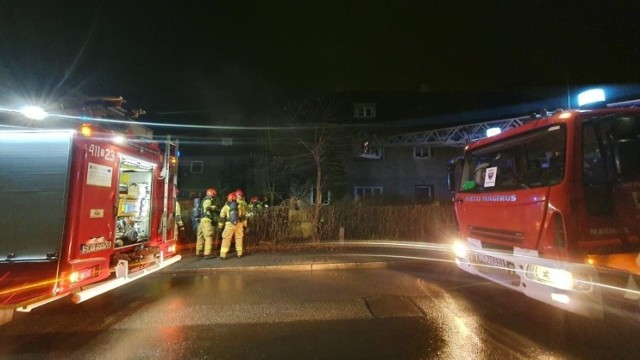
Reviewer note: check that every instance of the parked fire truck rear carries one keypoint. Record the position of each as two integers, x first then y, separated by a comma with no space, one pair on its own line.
83,211
552,209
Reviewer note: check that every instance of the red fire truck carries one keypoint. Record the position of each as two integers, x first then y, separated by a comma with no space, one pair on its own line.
552,209
82,211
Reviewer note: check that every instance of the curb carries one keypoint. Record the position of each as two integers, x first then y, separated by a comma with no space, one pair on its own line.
295,267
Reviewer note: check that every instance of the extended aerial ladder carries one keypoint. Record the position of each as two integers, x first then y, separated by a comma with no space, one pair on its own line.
455,136
461,135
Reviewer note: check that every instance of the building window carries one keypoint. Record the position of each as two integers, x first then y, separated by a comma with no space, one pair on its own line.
370,152
421,152
326,196
367,192
424,194
364,110
196,167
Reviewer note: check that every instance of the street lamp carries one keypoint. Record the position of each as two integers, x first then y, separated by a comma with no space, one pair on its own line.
33,112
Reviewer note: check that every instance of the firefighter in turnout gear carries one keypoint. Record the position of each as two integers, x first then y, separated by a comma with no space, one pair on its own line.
242,205
233,220
179,224
206,227
253,206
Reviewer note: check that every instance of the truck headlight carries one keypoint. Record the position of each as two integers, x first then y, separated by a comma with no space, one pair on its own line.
557,278
459,249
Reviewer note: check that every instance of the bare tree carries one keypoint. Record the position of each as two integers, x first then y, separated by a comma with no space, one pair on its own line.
319,134
300,156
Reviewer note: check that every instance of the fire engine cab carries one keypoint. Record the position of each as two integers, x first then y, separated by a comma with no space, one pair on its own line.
82,211
552,209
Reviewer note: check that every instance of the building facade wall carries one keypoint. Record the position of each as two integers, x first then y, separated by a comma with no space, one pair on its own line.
225,173
399,173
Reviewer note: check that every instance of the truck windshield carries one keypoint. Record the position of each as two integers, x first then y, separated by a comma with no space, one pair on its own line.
530,160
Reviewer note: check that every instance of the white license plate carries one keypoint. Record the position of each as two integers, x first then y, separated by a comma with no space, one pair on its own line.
490,260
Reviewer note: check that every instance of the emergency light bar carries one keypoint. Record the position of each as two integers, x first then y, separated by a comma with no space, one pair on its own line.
591,96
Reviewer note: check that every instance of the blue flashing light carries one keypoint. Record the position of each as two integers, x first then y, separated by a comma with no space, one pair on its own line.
591,96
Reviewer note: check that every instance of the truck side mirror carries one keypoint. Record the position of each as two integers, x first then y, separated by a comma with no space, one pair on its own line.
454,171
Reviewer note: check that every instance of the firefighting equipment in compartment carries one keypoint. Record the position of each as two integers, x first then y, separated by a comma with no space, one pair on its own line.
130,233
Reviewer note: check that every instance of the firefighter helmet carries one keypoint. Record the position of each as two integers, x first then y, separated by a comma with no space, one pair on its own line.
212,192
231,197
239,193
254,200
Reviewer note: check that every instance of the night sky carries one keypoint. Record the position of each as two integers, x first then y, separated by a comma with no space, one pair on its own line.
186,56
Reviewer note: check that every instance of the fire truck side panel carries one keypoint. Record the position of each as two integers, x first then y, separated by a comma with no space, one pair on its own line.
92,219
97,191
157,208
34,177
614,224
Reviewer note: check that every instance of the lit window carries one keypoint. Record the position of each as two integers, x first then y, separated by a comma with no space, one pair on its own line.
196,167
421,152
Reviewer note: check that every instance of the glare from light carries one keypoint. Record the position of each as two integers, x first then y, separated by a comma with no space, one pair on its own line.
86,130
118,139
460,249
493,131
33,112
74,277
591,96
561,298
565,115
557,278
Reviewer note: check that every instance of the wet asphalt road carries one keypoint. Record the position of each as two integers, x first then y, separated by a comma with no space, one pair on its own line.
410,311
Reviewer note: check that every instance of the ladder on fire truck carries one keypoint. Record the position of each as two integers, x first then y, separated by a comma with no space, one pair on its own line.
456,136
459,136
